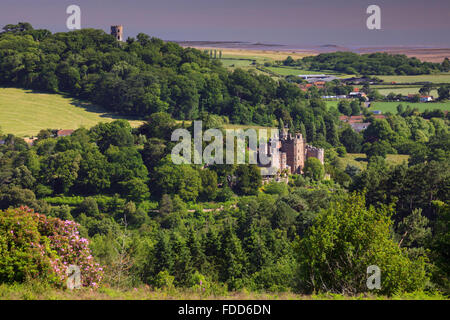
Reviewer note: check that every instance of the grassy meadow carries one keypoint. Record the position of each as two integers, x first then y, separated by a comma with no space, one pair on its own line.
260,55
25,112
360,159
433,78
392,106
401,89
290,71
39,291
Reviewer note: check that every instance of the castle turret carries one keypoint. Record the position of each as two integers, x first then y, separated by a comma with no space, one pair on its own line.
117,32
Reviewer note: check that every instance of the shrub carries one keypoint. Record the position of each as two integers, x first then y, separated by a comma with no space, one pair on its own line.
164,280
347,238
314,169
34,246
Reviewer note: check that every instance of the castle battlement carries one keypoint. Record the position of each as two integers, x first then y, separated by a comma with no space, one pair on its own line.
293,152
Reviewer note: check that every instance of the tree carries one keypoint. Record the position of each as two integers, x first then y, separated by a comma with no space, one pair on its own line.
345,240
61,170
94,173
351,140
13,196
284,216
234,259
248,179
177,179
345,108
289,61
440,246
314,169
377,149
446,65
135,189
426,89
160,125
117,133
356,108
413,230
444,93
209,184
89,207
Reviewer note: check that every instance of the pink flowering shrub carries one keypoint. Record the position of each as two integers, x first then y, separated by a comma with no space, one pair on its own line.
34,245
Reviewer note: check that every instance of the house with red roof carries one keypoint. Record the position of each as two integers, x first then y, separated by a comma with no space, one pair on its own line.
64,133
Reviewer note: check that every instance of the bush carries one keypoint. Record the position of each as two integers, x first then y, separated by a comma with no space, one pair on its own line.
276,188
345,240
36,246
314,169
164,280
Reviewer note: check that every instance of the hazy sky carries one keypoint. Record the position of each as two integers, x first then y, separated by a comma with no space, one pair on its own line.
300,22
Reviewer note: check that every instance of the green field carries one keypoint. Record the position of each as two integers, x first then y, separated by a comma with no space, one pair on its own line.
236,63
392,106
286,71
401,89
25,113
360,160
434,78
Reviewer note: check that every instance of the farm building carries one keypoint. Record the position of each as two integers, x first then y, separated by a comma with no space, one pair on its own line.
358,127
64,133
313,78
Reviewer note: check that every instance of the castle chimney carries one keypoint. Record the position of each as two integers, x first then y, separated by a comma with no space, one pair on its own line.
117,32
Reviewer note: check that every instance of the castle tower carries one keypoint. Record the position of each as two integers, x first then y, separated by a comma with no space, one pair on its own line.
294,147
117,32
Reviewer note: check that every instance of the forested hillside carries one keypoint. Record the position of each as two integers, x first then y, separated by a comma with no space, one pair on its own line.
111,200
368,64
139,77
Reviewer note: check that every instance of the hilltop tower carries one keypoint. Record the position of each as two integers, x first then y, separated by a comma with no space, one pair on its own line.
117,32
294,148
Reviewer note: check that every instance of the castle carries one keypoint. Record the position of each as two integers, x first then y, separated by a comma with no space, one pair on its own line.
117,32
293,152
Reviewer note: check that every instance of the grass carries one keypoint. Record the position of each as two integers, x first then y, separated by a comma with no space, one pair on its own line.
360,159
260,55
287,71
392,106
332,103
434,78
236,63
25,112
401,89
38,291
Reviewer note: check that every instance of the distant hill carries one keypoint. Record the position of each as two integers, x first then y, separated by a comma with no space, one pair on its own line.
25,113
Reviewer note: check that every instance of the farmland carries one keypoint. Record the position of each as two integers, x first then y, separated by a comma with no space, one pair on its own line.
286,71
433,78
392,106
360,159
401,89
25,113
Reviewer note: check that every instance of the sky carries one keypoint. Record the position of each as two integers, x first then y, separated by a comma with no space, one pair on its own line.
291,22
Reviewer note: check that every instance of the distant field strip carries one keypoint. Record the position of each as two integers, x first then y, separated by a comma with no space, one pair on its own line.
360,159
392,106
258,54
25,113
434,78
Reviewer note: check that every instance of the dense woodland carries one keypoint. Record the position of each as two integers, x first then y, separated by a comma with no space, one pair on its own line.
368,64
216,228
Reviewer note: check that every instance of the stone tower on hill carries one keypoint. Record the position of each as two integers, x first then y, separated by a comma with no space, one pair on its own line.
117,32
294,149
293,152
